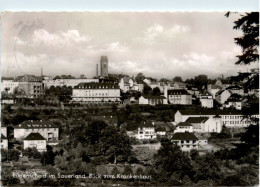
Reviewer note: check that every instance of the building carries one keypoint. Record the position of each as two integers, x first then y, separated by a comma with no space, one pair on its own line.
206,100
128,84
48,130
4,142
9,86
179,85
66,82
213,89
185,140
152,100
4,130
236,90
146,131
36,140
229,118
104,66
233,103
222,95
96,93
206,124
179,97
183,127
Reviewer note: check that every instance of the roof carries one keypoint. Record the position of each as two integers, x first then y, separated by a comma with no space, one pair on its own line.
197,119
213,86
206,93
210,112
233,88
3,137
178,92
221,91
153,97
28,78
145,124
32,124
34,136
183,124
184,136
96,85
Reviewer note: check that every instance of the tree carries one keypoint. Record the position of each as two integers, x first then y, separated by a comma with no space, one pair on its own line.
156,91
139,77
177,79
251,136
201,81
48,156
32,152
147,89
249,41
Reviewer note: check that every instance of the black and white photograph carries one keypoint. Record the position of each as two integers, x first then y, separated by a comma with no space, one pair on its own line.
129,98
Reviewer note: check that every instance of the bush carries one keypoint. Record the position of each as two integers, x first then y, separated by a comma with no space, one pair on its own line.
32,153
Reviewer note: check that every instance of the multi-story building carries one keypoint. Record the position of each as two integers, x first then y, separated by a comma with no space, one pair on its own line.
48,130
128,84
179,97
96,93
183,127
36,140
104,66
66,82
152,100
206,100
186,140
4,142
229,118
146,131
9,86
222,95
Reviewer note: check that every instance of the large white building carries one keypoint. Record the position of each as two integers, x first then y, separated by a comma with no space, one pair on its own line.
146,131
179,97
186,140
48,130
229,118
96,93
152,100
9,86
128,84
66,82
183,127
206,100
222,95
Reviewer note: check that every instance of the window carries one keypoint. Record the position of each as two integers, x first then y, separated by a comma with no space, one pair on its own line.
187,141
182,141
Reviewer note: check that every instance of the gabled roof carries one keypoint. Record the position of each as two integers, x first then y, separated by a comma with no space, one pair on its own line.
145,124
3,137
153,97
184,136
197,119
35,124
178,92
28,78
221,91
183,124
34,136
206,93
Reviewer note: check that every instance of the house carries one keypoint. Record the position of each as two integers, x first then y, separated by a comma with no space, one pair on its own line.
229,118
179,85
222,95
152,100
183,127
234,101
236,90
126,83
35,139
179,97
146,131
213,89
4,142
48,130
96,93
160,130
4,130
185,140
206,100
206,124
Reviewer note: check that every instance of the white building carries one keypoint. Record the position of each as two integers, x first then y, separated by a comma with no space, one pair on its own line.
213,89
152,100
36,140
222,95
66,82
206,124
229,118
187,141
183,127
179,97
4,142
96,93
48,130
146,131
9,86
206,100
128,84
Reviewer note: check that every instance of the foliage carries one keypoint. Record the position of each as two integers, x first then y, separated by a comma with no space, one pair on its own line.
32,152
8,180
147,89
156,91
177,79
251,136
11,154
48,156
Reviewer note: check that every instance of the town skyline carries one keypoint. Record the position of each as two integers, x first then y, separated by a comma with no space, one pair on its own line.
184,44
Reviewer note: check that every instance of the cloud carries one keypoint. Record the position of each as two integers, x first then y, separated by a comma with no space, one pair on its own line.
157,31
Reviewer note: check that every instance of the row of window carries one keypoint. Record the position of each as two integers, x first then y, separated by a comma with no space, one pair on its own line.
40,129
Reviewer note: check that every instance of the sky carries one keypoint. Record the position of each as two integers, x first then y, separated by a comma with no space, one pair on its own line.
158,44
